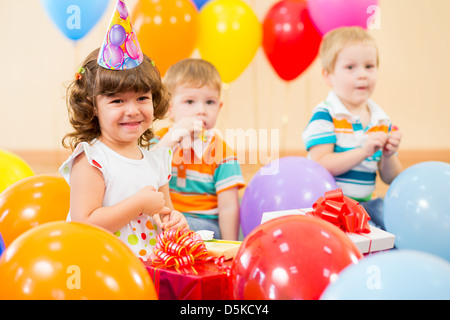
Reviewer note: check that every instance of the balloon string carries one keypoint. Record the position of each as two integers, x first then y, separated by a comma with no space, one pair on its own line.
285,117
254,85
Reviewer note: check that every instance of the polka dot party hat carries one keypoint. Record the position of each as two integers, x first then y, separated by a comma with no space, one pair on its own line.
120,49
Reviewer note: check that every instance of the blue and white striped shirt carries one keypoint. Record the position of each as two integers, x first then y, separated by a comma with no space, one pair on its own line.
332,123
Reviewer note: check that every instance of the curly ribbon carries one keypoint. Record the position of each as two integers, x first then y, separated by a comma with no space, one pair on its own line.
181,249
220,264
342,211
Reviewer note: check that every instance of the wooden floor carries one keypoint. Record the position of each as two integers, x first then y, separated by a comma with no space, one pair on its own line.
48,162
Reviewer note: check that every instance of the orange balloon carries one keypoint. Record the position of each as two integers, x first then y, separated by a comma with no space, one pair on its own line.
30,202
166,29
71,261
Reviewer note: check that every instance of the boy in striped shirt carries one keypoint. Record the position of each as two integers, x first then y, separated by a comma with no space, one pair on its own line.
206,175
349,134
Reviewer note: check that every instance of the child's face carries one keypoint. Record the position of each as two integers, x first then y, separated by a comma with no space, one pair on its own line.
355,74
125,116
201,103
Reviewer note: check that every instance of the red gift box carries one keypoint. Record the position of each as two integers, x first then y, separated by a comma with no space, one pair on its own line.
209,281
182,269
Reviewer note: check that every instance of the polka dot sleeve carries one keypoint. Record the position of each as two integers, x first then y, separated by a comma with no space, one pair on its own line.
164,159
91,155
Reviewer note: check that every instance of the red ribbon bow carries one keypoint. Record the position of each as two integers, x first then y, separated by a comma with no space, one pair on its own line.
342,211
181,249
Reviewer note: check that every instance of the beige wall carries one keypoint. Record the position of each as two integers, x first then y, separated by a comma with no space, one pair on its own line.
413,80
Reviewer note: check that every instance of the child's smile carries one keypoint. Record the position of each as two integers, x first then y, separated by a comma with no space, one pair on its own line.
124,117
131,125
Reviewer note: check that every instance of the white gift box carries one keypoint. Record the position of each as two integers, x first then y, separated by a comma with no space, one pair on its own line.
375,240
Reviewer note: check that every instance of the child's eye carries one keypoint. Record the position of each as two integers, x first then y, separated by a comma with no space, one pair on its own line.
143,98
190,101
349,67
117,101
211,102
370,66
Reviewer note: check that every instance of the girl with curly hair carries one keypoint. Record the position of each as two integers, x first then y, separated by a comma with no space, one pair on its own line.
116,182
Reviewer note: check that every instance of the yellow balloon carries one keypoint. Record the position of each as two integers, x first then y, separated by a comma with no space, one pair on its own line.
229,36
12,169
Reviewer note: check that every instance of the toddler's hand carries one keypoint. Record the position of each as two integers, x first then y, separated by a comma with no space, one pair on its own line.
392,143
375,141
185,130
153,202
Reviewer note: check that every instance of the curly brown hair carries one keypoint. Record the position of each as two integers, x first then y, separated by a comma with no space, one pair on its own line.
82,93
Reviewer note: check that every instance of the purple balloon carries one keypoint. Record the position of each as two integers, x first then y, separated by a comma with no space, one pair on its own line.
122,8
113,56
284,184
117,35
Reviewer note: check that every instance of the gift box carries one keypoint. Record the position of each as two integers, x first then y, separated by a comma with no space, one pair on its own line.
373,241
207,281
183,268
223,248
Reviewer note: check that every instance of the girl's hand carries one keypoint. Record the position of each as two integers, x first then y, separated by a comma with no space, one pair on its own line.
153,202
173,220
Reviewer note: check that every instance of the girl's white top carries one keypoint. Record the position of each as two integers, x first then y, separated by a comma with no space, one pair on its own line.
123,178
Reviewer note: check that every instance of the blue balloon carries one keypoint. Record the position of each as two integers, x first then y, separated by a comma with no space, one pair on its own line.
75,18
2,245
393,275
130,63
199,3
417,208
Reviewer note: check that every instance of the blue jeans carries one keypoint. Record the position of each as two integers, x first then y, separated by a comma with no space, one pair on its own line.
196,224
375,210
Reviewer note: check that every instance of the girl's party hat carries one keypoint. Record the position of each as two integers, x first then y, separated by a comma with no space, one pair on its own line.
120,49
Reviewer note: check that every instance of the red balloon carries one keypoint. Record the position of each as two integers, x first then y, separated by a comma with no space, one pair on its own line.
291,258
290,40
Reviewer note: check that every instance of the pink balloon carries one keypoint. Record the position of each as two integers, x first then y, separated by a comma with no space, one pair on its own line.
132,46
113,56
331,14
123,11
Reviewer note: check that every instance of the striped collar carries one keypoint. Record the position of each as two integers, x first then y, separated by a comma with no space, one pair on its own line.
336,107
